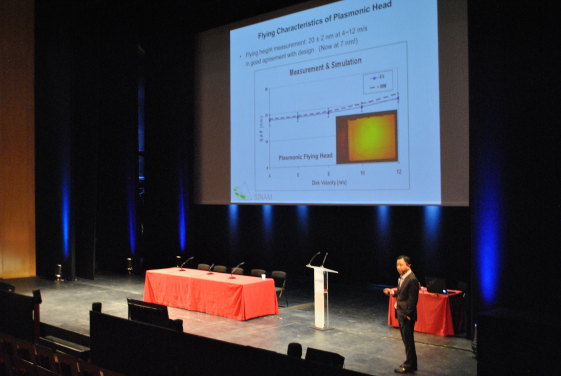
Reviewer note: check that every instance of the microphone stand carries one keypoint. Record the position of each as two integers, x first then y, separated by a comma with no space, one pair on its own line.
186,261
210,270
231,276
324,260
313,258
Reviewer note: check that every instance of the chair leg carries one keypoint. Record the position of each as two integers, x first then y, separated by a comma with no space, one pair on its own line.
286,297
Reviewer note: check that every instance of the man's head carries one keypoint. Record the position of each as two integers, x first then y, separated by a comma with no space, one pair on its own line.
403,264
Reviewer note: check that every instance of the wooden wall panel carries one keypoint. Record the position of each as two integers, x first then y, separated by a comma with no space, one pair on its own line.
17,139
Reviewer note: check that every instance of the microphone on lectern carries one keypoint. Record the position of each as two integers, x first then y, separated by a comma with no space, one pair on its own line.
231,276
313,258
186,261
324,260
210,269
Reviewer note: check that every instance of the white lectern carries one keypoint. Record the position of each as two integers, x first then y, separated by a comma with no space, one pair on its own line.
321,300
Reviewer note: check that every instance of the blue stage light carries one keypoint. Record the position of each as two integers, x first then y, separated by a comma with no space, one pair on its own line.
268,218
233,216
132,224
383,219
141,106
432,222
131,198
233,211
302,211
66,213
488,240
182,220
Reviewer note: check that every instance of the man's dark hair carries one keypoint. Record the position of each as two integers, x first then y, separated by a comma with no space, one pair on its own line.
405,258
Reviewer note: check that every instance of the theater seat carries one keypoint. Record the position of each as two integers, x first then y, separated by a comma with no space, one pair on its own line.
324,357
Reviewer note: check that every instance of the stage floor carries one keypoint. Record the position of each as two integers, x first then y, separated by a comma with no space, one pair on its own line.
358,314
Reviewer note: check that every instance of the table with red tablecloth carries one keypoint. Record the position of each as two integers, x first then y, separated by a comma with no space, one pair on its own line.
440,314
242,298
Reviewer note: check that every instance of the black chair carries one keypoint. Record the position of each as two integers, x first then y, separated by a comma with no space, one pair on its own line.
294,350
67,364
257,272
324,357
220,269
203,266
45,358
176,325
237,271
25,350
88,369
45,372
5,364
7,287
107,372
8,344
462,286
22,367
280,283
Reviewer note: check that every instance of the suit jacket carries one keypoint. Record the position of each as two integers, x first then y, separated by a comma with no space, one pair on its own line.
407,296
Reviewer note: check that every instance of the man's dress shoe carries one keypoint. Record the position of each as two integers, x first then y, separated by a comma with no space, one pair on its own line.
413,368
403,370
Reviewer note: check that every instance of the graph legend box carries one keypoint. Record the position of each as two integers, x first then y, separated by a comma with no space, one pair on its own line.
378,82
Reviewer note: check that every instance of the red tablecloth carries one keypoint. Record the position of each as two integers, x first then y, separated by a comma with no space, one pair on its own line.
242,298
434,313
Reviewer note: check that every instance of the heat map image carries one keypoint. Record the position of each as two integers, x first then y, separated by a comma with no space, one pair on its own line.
364,138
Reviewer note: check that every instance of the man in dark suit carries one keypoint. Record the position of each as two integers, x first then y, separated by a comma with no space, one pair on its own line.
407,295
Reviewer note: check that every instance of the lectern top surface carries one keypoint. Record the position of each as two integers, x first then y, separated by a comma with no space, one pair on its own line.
322,268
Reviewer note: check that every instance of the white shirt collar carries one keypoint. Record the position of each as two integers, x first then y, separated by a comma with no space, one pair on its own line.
405,275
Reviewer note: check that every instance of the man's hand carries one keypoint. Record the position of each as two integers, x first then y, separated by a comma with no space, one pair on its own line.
388,291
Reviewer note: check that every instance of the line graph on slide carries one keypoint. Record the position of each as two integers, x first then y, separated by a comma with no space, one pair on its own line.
347,120
333,109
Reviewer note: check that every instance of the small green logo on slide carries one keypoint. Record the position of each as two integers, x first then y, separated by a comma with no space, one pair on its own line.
242,192
240,195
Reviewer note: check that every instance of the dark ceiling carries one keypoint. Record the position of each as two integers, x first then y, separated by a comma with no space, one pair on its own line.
166,19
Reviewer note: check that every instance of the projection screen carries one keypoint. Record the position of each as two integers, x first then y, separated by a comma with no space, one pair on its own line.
352,102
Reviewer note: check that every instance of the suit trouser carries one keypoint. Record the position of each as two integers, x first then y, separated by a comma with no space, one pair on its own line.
407,328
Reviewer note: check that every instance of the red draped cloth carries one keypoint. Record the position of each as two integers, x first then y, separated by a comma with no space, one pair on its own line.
439,314
242,298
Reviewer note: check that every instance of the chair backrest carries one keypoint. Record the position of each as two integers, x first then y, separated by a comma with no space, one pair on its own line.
203,266
279,277
176,325
7,287
237,271
5,363
257,272
23,367
8,344
462,286
220,269
278,274
88,369
46,358
294,350
45,372
107,372
67,364
25,350
325,357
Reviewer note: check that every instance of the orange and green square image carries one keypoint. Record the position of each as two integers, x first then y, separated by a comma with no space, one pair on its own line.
367,138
